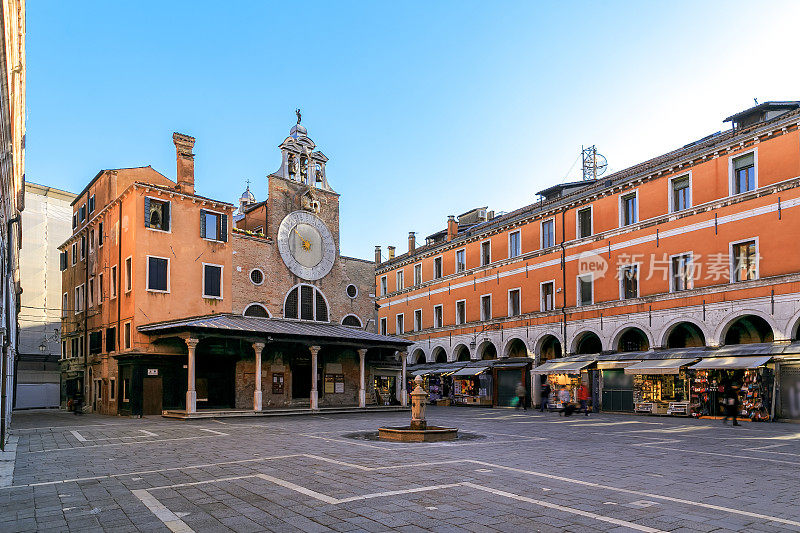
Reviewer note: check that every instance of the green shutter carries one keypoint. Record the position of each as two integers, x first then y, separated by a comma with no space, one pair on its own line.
165,212
146,212
202,224
223,228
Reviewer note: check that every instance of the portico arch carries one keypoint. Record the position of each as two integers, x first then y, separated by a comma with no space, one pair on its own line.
631,339
487,350
417,356
438,355
680,333
515,347
587,342
748,329
721,333
461,353
548,347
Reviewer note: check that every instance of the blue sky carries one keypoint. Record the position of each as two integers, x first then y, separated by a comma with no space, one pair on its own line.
425,109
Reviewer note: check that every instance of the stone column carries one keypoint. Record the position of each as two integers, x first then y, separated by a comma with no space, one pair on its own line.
404,378
257,396
191,393
536,384
362,391
314,397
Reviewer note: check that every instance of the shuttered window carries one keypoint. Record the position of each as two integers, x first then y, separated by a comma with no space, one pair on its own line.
157,274
212,281
213,226
156,214
63,261
306,303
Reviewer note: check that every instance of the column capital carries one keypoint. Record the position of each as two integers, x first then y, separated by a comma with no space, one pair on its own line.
258,346
362,352
314,349
401,354
191,342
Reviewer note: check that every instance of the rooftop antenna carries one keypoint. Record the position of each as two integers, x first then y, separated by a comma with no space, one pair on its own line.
594,164
755,100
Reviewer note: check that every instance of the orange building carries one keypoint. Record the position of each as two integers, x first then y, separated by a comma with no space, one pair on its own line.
171,306
683,258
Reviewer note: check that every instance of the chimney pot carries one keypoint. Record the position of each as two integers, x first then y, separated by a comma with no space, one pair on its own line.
185,158
377,255
452,228
412,241
391,252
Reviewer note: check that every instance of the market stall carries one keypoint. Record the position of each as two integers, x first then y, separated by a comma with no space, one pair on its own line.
749,376
661,386
567,374
472,386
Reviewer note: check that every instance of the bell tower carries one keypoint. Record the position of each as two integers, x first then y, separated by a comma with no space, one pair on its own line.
300,161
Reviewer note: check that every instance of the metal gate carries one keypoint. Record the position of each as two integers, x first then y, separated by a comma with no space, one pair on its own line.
790,392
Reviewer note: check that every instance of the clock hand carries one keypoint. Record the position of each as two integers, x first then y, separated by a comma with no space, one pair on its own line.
306,244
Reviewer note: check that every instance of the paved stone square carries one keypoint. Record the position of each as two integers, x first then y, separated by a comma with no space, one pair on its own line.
529,472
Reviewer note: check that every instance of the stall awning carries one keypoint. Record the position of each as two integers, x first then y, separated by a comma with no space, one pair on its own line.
470,371
731,363
507,366
562,367
611,365
659,366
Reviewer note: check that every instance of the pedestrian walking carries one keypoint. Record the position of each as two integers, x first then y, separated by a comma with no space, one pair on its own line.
731,400
545,396
520,392
583,398
564,398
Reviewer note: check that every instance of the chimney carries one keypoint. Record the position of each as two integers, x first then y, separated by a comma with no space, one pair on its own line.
185,157
452,228
391,252
412,241
377,255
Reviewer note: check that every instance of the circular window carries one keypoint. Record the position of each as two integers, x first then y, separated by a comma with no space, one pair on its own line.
352,291
256,276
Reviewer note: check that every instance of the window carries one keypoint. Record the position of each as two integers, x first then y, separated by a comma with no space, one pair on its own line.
461,312
352,321
256,276
213,226
74,253
91,292
681,272
91,204
113,281
585,222
65,304
438,315
744,259
112,389
399,325
486,253
743,173
417,319
156,214
111,339
629,212
305,302
400,280
629,279
585,290
98,389
74,220
79,299
277,383
384,286
212,281
486,307
74,345
514,304
128,274
461,260
126,387
352,291
101,291
256,310
418,274
62,261
548,295
126,336
83,247
63,349
681,193
95,342
100,234
91,241
82,213
437,268
548,234
157,274
383,326
514,244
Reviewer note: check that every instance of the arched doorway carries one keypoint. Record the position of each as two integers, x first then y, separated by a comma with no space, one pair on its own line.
417,356
749,329
461,353
516,348
685,335
439,355
588,343
487,350
633,340
550,348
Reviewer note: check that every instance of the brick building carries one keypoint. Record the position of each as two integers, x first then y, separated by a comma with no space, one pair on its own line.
681,259
167,307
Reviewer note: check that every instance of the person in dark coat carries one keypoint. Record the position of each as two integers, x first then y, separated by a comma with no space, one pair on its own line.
545,396
731,399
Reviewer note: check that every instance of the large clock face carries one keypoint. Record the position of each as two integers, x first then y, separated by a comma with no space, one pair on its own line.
306,245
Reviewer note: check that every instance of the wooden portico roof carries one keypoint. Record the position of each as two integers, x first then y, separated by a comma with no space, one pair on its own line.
281,329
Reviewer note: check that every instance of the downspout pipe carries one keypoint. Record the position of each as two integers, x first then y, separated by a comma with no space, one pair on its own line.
564,280
6,338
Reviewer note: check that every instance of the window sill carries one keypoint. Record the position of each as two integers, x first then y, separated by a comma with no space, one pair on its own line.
159,291
205,296
212,240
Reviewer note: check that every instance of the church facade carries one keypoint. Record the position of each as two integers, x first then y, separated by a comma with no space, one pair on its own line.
187,305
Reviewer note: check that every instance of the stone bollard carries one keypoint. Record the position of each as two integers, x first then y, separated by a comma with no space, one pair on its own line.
419,397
